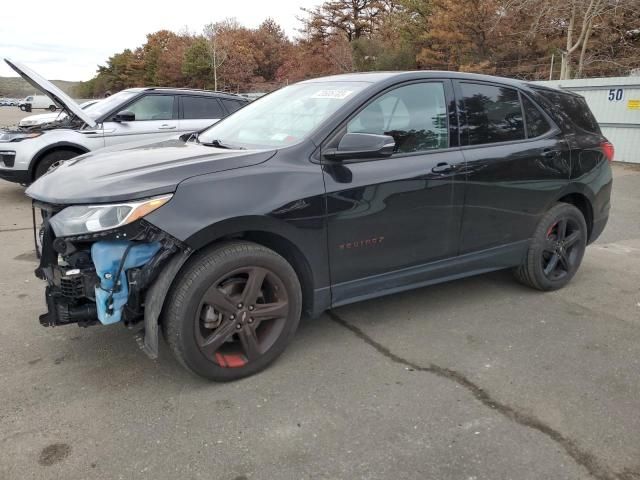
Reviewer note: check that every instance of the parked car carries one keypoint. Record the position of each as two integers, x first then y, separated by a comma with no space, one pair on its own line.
42,118
128,116
37,102
324,193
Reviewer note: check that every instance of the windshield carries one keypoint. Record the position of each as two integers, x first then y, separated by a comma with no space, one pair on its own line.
106,105
282,118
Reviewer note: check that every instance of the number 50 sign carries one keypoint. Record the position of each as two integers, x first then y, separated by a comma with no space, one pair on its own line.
615,94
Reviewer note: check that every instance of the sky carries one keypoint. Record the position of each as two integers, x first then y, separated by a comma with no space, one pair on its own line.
67,39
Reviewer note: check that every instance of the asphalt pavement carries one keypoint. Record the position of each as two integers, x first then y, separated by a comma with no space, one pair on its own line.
475,379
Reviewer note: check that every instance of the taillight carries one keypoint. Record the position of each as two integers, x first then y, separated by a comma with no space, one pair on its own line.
608,150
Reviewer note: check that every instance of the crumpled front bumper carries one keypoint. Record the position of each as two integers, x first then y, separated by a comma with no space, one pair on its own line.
111,277
70,291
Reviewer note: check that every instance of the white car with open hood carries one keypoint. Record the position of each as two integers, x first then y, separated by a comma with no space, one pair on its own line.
132,115
42,118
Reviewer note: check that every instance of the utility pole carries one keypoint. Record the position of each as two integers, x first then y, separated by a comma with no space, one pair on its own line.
551,69
215,70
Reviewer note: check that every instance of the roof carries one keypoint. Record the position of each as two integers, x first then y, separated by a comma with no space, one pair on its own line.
375,77
192,90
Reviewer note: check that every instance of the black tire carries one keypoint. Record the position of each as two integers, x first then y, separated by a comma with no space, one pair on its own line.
52,108
213,270
556,249
51,159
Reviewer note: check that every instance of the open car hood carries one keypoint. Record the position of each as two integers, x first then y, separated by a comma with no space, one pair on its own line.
58,96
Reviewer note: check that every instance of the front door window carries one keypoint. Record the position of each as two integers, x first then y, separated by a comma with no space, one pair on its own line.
414,115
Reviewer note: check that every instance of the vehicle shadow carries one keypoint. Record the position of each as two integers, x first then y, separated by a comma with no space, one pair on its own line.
109,356
112,353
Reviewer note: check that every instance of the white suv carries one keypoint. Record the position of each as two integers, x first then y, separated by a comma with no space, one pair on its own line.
134,114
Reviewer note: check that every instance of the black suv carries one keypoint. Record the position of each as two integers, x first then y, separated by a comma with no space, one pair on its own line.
326,192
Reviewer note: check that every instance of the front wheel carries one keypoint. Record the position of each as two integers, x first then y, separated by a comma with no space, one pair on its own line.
556,250
51,160
52,108
232,311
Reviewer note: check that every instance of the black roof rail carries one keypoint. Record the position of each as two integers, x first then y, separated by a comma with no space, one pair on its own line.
186,89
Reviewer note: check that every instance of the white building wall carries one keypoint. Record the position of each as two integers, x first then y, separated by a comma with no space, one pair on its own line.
615,102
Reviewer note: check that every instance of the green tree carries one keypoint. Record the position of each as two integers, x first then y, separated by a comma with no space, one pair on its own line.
196,64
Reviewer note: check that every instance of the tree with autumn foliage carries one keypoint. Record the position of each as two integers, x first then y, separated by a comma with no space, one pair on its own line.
270,49
354,18
581,25
516,38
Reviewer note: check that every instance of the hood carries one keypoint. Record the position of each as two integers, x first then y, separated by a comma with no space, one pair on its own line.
122,174
58,96
41,118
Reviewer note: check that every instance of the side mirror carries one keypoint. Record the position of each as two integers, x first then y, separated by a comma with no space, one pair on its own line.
362,146
124,116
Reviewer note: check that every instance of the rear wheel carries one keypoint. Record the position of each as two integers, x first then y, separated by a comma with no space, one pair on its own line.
556,250
52,108
51,160
233,310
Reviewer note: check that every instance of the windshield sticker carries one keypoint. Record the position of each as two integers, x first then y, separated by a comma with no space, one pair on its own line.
337,94
279,137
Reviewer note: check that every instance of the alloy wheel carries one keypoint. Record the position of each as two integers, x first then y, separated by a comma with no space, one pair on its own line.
241,316
561,250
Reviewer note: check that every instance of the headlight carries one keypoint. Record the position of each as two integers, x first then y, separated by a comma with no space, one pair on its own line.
82,219
17,136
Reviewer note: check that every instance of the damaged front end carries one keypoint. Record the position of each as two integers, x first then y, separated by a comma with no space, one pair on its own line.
100,263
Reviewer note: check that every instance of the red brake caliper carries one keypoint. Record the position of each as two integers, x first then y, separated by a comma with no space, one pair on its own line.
551,229
230,360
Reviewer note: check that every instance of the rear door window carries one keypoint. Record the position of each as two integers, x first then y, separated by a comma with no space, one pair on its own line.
537,124
493,113
201,108
232,105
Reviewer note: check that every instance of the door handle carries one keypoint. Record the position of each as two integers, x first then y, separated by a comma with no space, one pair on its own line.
443,167
166,127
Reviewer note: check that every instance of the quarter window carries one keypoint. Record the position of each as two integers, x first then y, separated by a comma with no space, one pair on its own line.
153,107
573,109
414,115
493,113
201,107
536,123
